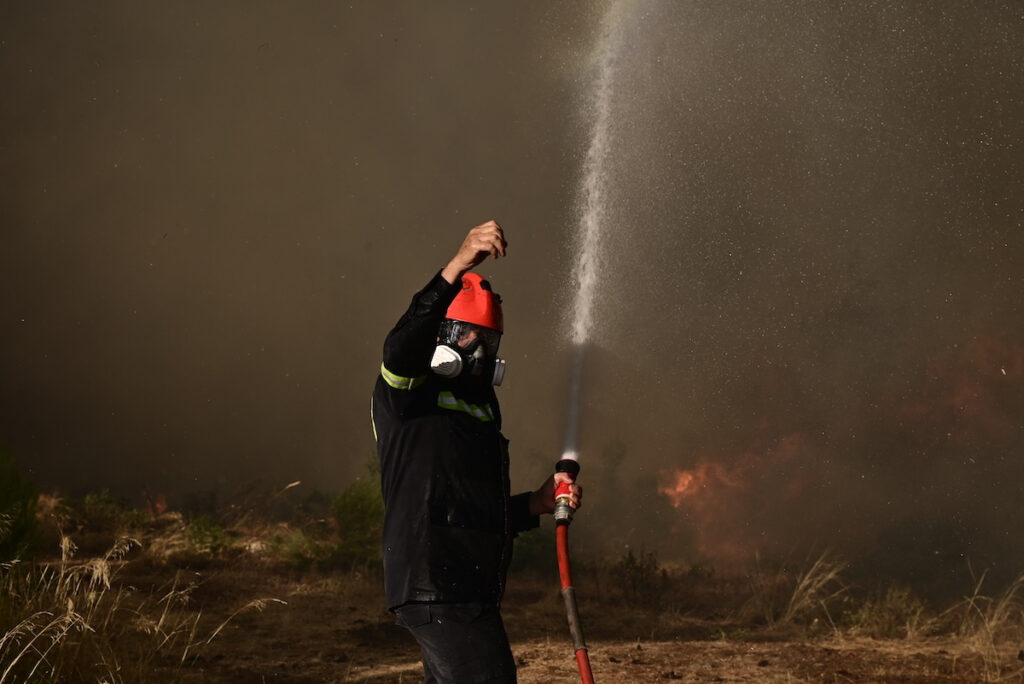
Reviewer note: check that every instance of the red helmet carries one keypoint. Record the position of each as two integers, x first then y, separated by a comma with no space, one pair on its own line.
476,303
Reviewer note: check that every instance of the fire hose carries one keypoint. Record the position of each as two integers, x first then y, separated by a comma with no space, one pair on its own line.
563,516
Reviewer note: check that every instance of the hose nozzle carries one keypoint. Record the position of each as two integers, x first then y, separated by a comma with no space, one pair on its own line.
563,511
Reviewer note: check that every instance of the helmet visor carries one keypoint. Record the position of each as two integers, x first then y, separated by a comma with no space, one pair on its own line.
469,336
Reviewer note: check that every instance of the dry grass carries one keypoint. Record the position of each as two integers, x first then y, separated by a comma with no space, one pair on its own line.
992,627
59,611
781,597
140,611
73,621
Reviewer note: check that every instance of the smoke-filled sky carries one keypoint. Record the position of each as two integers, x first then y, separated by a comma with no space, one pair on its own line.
809,329
212,214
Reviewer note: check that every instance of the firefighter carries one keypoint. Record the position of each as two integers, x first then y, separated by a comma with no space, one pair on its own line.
449,515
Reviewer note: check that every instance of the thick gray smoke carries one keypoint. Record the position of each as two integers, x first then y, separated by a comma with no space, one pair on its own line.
810,303
211,216
807,323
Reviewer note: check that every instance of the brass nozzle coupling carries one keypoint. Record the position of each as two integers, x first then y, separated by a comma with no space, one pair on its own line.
563,511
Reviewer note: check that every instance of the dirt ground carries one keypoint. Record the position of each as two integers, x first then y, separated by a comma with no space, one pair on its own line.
332,627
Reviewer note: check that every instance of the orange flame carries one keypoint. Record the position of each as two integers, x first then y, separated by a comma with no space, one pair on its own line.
721,500
699,484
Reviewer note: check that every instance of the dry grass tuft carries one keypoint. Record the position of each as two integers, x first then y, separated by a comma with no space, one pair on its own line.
74,621
781,597
992,627
896,614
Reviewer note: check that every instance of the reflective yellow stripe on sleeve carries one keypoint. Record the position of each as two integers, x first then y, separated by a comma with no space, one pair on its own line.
400,382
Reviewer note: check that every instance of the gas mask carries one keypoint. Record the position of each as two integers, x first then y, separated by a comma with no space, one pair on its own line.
468,349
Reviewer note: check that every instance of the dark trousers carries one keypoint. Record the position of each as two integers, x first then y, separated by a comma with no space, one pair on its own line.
461,643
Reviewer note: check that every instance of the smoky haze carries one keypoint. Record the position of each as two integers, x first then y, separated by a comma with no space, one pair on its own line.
212,216
815,234
808,325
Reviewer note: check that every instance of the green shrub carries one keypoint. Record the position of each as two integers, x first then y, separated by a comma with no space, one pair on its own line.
640,578
534,551
102,512
17,509
359,515
297,549
206,536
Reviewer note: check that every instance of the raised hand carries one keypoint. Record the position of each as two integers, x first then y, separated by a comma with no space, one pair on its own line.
484,240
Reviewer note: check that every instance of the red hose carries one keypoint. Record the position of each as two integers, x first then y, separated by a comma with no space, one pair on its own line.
562,539
569,595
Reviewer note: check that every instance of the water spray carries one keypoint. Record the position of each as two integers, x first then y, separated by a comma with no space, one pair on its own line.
569,464
592,211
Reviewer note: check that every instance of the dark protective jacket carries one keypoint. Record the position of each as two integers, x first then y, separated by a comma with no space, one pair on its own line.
449,518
